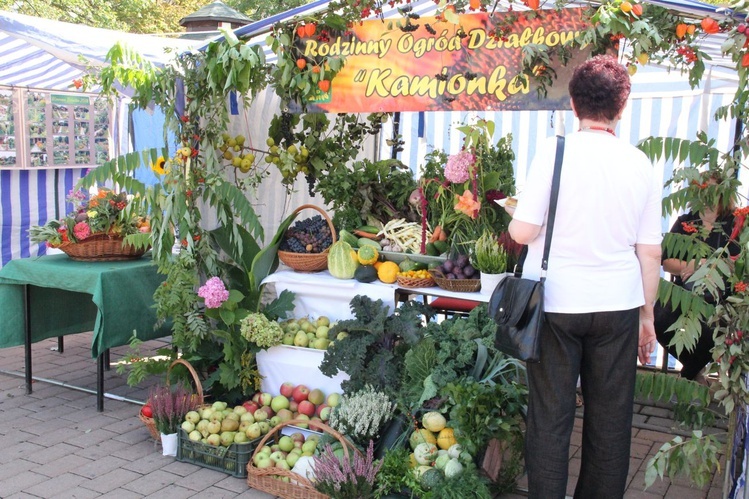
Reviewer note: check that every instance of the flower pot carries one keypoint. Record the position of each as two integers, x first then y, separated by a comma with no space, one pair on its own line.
169,444
490,281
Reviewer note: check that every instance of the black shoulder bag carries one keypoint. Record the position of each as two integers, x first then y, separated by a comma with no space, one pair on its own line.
517,304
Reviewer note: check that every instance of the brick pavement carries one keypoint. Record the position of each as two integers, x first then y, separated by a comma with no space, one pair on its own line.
53,443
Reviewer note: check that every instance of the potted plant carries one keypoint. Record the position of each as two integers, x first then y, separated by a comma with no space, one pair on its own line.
169,406
490,258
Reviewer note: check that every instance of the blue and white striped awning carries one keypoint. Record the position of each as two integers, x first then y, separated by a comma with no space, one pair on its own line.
45,54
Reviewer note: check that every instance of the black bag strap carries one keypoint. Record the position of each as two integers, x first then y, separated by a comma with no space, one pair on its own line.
552,205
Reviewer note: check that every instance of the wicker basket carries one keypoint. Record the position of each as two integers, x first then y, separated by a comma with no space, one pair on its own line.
149,422
308,262
459,285
102,248
269,479
415,282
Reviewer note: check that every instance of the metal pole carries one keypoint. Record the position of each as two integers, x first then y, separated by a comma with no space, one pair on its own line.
27,336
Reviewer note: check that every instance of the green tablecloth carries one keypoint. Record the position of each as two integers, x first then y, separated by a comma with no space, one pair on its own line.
112,299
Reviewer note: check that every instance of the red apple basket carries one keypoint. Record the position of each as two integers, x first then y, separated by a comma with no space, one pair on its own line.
295,486
149,422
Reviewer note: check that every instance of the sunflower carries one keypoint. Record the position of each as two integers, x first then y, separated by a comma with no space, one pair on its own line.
158,167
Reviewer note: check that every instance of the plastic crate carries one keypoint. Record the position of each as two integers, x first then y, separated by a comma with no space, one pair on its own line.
232,460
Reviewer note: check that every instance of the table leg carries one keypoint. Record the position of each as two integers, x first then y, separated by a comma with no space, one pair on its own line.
100,383
60,345
107,364
27,335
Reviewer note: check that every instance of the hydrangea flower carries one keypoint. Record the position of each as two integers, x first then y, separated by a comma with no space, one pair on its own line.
81,231
213,292
458,167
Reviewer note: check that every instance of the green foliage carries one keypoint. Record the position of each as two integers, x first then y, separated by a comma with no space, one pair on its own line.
467,484
138,367
696,457
481,411
395,475
377,189
373,353
691,399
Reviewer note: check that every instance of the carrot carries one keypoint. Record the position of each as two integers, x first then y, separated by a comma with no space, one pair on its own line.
368,235
443,236
435,234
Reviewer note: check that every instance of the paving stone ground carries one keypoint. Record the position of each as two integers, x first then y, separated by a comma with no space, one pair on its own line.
53,443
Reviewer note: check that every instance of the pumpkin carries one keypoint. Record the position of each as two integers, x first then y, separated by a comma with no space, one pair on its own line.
342,262
425,453
434,422
388,272
446,438
366,273
367,255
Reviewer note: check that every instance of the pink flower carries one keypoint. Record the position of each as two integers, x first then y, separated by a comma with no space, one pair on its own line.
213,292
467,204
458,167
81,230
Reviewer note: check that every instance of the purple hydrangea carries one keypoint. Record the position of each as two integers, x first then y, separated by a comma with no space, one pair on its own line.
458,167
213,292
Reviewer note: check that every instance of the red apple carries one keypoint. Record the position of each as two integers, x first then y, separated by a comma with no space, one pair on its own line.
312,424
251,406
325,413
265,399
256,398
297,435
307,408
268,410
300,393
293,405
287,389
320,408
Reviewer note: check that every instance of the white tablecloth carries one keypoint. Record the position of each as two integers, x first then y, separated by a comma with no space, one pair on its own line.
298,365
319,293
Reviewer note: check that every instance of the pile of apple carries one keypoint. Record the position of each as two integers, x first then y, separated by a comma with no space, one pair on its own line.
295,402
219,425
309,333
286,452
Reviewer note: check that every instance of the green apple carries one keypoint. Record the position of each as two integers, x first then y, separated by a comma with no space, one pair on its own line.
311,338
188,426
262,461
292,326
309,446
322,332
320,343
241,438
341,335
322,321
292,458
301,339
279,402
288,338
195,436
285,443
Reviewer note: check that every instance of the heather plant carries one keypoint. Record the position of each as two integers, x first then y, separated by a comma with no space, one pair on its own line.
361,415
169,406
343,478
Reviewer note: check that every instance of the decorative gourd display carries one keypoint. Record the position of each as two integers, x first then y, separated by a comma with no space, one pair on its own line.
367,255
342,260
366,273
434,422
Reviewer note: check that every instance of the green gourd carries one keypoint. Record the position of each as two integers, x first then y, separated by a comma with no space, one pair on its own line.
342,262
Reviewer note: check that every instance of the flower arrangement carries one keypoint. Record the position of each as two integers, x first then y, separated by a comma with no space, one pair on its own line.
106,212
361,415
346,478
457,191
489,256
169,407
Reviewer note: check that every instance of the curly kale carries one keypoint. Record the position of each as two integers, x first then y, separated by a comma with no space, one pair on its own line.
374,351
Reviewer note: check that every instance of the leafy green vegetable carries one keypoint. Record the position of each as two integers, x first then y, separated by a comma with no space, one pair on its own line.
374,351
395,475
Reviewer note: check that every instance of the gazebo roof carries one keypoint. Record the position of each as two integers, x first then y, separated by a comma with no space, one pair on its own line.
216,11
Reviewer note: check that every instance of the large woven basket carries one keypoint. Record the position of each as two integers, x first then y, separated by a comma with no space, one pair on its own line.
149,422
298,487
308,262
459,285
102,248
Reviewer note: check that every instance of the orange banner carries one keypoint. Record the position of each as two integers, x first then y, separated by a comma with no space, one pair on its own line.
441,66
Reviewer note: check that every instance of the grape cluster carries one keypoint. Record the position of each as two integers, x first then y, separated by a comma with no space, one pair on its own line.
311,235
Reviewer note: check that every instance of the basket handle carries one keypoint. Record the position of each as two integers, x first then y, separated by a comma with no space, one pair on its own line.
193,373
325,216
